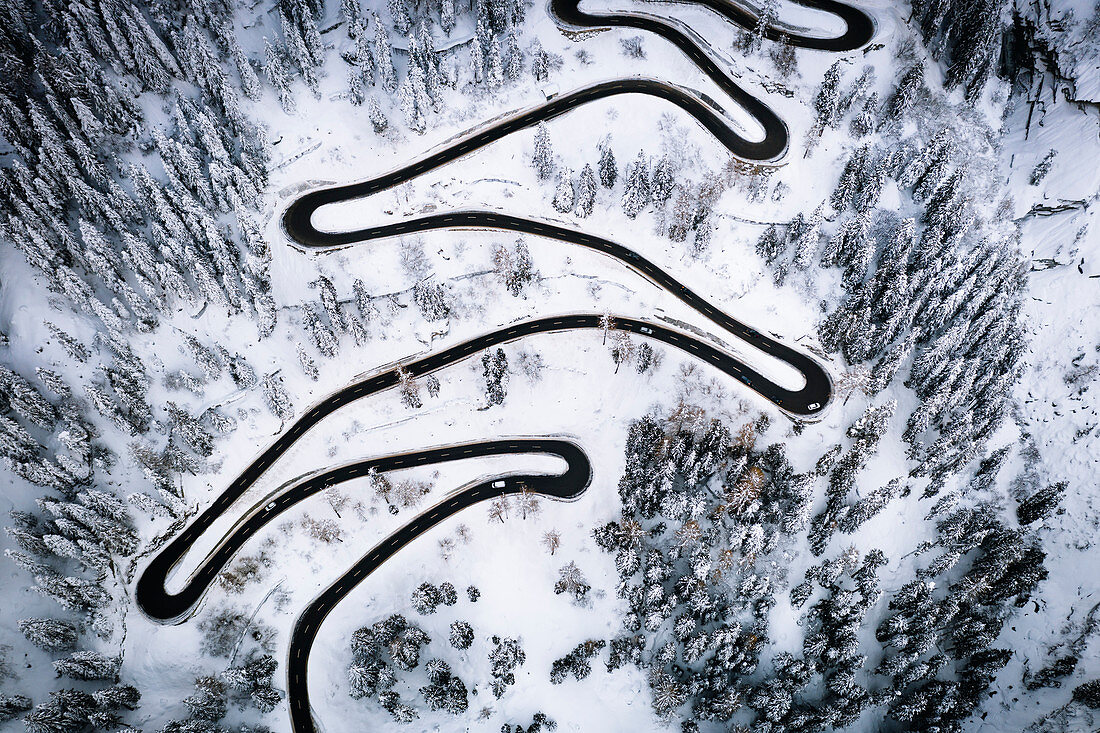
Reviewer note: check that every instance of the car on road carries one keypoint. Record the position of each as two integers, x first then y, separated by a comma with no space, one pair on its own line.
269,507
499,484
813,405
644,329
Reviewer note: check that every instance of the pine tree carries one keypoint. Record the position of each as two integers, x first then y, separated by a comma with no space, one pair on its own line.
276,397
447,15
462,635
307,363
514,67
52,635
905,93
67,711
807,239
88,665
356,95
425,599
13,705
321,334
1041,504
543,159
364,55
118,696
276,73
827,100
637,193
586,191
409,390
609,171
250,83
866,120
504,659
494,368
399,12
662,182
514,266
383,57
1042,168
377,120
770,245
412,98
564,195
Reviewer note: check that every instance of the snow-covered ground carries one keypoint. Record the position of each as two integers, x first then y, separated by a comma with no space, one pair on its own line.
577,391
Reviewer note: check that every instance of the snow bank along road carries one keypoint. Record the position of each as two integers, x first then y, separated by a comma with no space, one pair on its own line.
152,593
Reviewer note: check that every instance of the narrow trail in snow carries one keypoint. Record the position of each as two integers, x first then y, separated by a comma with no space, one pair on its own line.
151,592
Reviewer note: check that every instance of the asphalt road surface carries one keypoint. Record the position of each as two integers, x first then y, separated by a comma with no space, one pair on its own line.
151,591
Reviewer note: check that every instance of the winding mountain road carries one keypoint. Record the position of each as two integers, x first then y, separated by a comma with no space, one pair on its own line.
152,593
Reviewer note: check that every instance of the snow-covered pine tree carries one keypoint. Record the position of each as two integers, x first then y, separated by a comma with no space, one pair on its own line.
309,367
827,99
409,390
276,72
514,66
88,664
586,191
276,397
540,62
662,181
765,19
399,13
383,57
543,159
52,635
770,245
494,368
378,120
494,72
637,193
609,170
447,18
564,195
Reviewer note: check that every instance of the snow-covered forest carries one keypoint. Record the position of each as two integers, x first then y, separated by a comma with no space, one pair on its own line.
913,554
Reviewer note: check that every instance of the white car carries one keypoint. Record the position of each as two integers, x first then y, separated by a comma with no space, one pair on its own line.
269,507
813,406
499,484
644,329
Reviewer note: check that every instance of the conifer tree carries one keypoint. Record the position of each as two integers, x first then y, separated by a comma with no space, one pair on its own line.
586,191
609,171
636,195
277,75
543,159
564,195
383,57
378,120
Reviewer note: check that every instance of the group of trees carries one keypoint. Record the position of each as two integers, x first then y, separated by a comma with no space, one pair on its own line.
514,266
126,219
494,55
933,297
379,653
967,36
993,567
683,207
703,509
388,649
71,552
72,711
125,241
